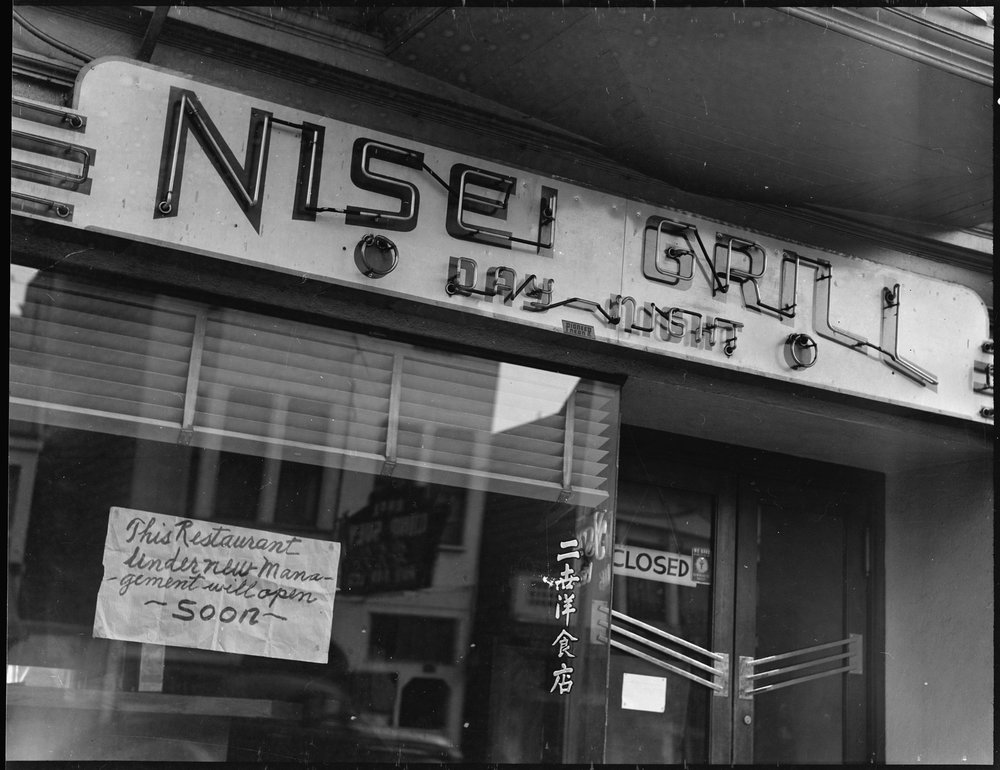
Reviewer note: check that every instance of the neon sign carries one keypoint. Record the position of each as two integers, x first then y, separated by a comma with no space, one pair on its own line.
233,177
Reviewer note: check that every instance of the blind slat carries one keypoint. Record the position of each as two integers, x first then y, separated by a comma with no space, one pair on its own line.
100,372
265,433
98,324
263,383
71,350
433,432
60,397
450,461
368,381
222,400
46,334
319,394
466,454
340,420
225,335
79,387
485,386
90,308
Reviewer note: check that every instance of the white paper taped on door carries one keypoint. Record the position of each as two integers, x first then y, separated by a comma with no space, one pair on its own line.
644,693
194,583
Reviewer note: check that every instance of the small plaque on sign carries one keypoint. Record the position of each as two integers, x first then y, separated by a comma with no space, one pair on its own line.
701,565
644,693
578,330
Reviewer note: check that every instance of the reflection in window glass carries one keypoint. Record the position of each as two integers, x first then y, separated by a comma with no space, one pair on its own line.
473,523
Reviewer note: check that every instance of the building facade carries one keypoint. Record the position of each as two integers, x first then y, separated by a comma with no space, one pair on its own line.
361,410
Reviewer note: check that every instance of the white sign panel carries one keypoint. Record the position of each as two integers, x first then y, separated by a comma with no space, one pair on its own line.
644,693
661,566
194,583
219,174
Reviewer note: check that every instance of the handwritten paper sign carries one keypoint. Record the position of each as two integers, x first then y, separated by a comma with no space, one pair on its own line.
194,583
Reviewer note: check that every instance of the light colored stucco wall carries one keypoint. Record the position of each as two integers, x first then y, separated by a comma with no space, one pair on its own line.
939,615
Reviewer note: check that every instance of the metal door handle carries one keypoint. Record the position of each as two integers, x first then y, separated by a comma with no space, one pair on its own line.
750,672
717,667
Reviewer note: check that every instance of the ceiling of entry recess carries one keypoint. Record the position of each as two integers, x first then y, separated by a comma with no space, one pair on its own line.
882,112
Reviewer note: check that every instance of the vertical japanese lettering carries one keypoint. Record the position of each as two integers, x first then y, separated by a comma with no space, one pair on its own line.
565,585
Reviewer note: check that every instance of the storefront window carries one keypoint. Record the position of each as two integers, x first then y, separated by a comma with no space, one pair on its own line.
471,500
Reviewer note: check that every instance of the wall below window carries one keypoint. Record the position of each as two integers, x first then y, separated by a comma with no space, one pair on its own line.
939,615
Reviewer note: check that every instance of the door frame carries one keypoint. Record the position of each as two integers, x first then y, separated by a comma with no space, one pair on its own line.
729,473
681,472
856,614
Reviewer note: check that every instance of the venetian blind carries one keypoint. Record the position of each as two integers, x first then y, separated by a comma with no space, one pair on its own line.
158,368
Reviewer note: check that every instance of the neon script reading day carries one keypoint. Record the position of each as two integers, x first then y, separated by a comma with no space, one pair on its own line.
177,581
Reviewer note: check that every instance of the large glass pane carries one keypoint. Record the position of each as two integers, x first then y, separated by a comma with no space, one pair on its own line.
470,498
800,604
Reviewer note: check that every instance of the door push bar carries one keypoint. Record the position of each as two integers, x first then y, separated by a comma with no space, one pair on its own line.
749,672
718,667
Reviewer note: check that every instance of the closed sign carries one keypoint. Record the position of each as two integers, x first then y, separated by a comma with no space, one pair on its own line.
662,566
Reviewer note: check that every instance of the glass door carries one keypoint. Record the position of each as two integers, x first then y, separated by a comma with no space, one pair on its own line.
739,615
804,561
671,629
